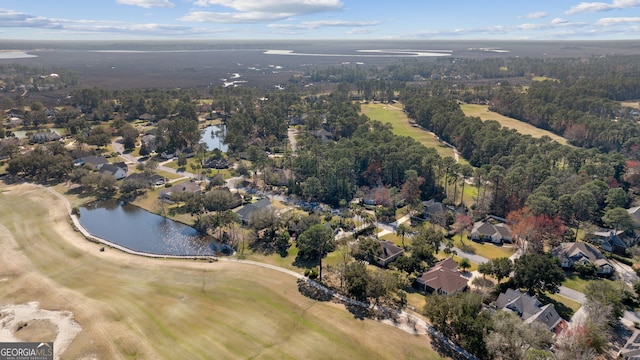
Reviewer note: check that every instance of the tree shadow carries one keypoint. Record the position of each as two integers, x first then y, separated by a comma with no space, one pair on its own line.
313,292
443,349
303,263
563,310
359,312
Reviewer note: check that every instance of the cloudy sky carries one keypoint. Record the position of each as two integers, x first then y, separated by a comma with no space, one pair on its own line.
319,19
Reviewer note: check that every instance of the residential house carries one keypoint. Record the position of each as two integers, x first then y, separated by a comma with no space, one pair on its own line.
149,141
155,180
631,350
323,135
147,117
14,122
443,278
434,211
92,161
492,229
635,215
529,308
279,177
612,241
187,186
44,136
118,170
580,252
389,253
247,211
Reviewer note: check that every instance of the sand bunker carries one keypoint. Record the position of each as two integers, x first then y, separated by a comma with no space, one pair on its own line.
29,318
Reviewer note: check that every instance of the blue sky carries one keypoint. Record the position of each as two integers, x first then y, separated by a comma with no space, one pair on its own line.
319,19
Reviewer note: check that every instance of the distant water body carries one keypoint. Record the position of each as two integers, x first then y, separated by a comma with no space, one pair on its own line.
369,53
15,55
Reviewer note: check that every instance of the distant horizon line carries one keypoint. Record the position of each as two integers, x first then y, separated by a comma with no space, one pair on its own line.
314,40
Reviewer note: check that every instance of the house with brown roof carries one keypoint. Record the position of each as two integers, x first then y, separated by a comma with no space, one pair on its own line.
529,308
443,278
572,253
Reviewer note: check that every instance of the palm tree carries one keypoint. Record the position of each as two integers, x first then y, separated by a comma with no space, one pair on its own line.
401,231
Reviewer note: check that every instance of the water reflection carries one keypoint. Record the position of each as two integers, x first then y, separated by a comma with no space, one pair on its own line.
140,230
213,136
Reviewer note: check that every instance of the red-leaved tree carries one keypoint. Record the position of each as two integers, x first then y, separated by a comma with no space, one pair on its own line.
532,231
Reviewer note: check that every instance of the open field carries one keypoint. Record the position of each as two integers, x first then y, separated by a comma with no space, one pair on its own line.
632,104
393,114
134,307
482,111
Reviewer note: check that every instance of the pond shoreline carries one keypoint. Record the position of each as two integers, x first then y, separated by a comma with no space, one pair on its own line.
75,220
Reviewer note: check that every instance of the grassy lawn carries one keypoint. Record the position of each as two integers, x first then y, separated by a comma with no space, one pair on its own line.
393,114
571,304
134,307
575,282
543,78
482,111
488,250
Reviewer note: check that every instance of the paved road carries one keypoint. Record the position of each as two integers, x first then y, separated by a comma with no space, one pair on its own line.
572,294
118,147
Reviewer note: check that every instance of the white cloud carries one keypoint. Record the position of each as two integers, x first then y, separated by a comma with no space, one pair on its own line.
296,7
558,21
325,23
310,25
230,17
252,11
10,18
536,15
147,3
617,21
602,6
360,31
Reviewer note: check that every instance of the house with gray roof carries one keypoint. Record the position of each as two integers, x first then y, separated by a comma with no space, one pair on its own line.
187,186
529,308
613,241
496,232
92,161
631,350
571,253
118,170
247,211
389,252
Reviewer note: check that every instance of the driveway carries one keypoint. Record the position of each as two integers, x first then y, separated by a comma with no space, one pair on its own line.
118,147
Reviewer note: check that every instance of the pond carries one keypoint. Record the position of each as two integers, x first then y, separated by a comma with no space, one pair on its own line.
213,136
140,230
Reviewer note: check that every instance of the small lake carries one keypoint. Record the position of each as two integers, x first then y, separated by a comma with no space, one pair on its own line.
213,136
140,230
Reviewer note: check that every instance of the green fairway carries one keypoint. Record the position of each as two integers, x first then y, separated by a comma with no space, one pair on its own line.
142,308
393,114
482,111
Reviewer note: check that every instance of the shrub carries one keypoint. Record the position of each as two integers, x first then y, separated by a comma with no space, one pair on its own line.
622,259
311,273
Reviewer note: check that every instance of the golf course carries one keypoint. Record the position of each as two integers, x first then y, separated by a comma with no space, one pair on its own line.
132,307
